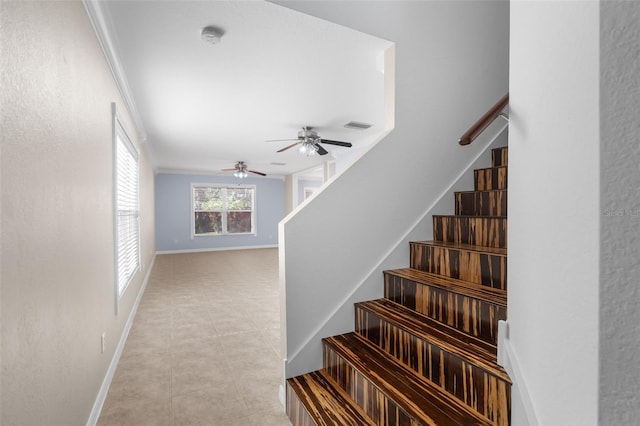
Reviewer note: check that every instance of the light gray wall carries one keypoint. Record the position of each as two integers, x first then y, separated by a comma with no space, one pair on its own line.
554,211
451,66
619,213
173,213
57,215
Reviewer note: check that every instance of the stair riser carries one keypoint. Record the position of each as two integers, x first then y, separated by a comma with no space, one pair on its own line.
490,179
296,411
499,156
313,400
481,231
479,390
481,203
378,406
473,316
479,268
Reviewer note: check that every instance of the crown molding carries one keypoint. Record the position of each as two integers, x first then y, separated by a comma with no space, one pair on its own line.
99,21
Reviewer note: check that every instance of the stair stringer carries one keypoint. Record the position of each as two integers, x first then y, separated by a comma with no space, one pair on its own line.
308,356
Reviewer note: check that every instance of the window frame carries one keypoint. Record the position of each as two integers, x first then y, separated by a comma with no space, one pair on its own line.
121,140
224,211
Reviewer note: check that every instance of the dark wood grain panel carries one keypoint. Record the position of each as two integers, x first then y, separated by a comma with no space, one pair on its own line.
481,292
313,400
390,393
499,156
481,203
480,384
460,262
453,305
490,178
480,231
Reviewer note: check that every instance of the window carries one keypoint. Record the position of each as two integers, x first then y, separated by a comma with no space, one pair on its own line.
127,212
223,210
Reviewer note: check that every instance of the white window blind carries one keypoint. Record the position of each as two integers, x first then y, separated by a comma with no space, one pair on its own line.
127,212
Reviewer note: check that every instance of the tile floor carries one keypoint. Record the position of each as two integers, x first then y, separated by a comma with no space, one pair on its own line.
204,348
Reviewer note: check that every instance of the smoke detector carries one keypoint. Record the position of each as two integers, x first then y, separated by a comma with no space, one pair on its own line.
211,34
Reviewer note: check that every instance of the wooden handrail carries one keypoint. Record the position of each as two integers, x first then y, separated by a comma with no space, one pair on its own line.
484,122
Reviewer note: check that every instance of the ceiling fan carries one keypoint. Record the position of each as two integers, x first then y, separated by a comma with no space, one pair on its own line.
309,141
241,170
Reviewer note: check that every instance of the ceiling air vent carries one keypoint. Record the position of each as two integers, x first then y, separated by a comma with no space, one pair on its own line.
357,125
278,164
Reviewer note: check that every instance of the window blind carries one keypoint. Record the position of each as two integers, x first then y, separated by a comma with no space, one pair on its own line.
127,210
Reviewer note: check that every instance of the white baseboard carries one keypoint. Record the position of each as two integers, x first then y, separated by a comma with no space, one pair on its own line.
282,396
522,408
215,249
104,389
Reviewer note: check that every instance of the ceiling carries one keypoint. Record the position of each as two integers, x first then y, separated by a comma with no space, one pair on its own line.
203,107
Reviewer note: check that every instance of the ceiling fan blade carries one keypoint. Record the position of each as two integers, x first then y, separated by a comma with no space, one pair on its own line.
228,170
257,173
321,150
287,147
283,140
330,142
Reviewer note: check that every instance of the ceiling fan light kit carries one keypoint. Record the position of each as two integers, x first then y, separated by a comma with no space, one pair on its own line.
240,170
309,141
308,148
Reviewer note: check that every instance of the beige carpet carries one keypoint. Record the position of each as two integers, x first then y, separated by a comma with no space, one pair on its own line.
204,348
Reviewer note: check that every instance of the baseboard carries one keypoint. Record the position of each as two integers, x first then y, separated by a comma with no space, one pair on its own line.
104,389
215,249
282,396
522,408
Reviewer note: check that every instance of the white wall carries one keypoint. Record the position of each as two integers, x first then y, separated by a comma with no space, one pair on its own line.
620,213
451,66
554,211
57,271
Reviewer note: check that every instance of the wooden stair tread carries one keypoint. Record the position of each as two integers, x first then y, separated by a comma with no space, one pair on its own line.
421,399
478,291
476,351
492,168
495,251
481,190
325,402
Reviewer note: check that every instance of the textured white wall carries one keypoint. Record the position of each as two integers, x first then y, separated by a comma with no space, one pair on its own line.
620,213
451,66
57,220
554,209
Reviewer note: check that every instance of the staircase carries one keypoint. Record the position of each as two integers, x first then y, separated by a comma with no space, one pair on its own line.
425,354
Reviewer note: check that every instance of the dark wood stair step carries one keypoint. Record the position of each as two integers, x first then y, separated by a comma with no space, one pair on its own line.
481,203
480,231
500,156
466,288
390,393
460,365
490,178
445,337
469,308
475,264
314,399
